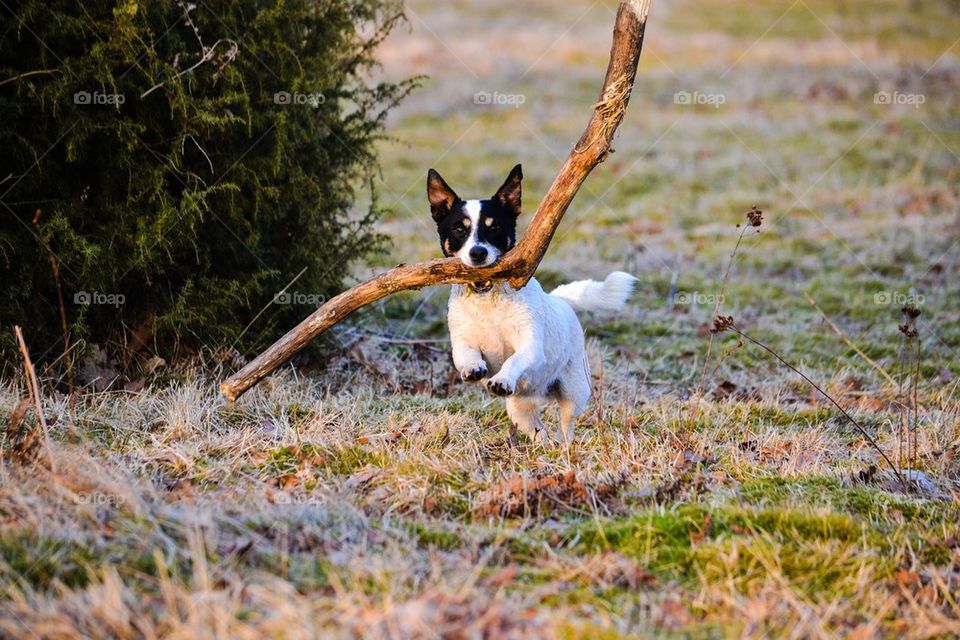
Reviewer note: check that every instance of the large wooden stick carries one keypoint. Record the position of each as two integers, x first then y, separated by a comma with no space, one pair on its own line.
517,266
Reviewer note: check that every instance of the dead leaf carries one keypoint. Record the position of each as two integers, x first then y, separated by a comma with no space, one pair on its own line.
278,497
699,536
674,615
270,428
24,441
625,353
908,579
363,476
694,459
520,495
863,632
135,386
421,387
669,492
870,403
724,390
503,576
181,489
154,363
391,436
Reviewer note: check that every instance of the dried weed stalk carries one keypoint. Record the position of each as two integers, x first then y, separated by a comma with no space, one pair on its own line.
909,337
726,323
754,220
25,441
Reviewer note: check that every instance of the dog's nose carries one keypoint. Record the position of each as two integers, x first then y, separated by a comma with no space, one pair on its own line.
478,254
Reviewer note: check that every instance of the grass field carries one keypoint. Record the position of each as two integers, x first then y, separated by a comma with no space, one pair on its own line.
383,498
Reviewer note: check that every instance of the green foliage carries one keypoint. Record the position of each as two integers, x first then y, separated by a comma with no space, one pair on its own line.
174,187
334,460
694,540
38,561
437,538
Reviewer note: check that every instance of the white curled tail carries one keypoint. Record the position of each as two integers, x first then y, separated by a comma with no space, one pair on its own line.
590,295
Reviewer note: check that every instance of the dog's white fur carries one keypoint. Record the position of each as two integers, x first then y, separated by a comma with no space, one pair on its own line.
472,209
529,344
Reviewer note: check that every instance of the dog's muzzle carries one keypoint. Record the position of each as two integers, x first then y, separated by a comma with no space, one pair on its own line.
481,287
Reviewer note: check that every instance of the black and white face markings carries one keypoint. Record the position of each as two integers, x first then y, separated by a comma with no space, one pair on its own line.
478,232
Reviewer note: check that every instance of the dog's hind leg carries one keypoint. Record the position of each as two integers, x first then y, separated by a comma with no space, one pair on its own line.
574,393
525,413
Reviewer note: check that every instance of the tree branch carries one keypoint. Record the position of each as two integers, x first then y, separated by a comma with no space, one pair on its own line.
517,266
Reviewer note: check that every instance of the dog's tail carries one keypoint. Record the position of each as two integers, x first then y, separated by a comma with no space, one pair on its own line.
590,295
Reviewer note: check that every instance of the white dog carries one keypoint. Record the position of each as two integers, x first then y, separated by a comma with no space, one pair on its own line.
527,345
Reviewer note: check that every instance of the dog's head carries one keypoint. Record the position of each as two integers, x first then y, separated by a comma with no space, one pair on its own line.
478,232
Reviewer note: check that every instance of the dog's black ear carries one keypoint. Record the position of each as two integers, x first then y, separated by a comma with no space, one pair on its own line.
441,196
509,194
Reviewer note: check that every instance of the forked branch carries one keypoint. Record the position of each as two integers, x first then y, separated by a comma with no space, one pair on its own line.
517,266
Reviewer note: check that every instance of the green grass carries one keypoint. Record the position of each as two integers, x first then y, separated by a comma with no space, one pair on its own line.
927,29
337,461
41,562
691,541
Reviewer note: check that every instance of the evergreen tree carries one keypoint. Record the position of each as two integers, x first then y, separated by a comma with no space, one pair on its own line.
179,164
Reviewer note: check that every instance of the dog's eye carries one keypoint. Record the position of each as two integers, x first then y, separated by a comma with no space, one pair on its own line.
489,222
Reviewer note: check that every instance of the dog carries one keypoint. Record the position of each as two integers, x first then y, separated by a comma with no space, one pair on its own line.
526,344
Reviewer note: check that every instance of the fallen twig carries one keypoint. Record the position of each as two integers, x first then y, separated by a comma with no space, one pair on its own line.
34,389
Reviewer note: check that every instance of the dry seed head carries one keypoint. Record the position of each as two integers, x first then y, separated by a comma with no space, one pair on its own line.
755,216
721,324
910,312
908,330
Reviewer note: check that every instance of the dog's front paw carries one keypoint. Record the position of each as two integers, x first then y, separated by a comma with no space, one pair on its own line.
500,387
474,373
